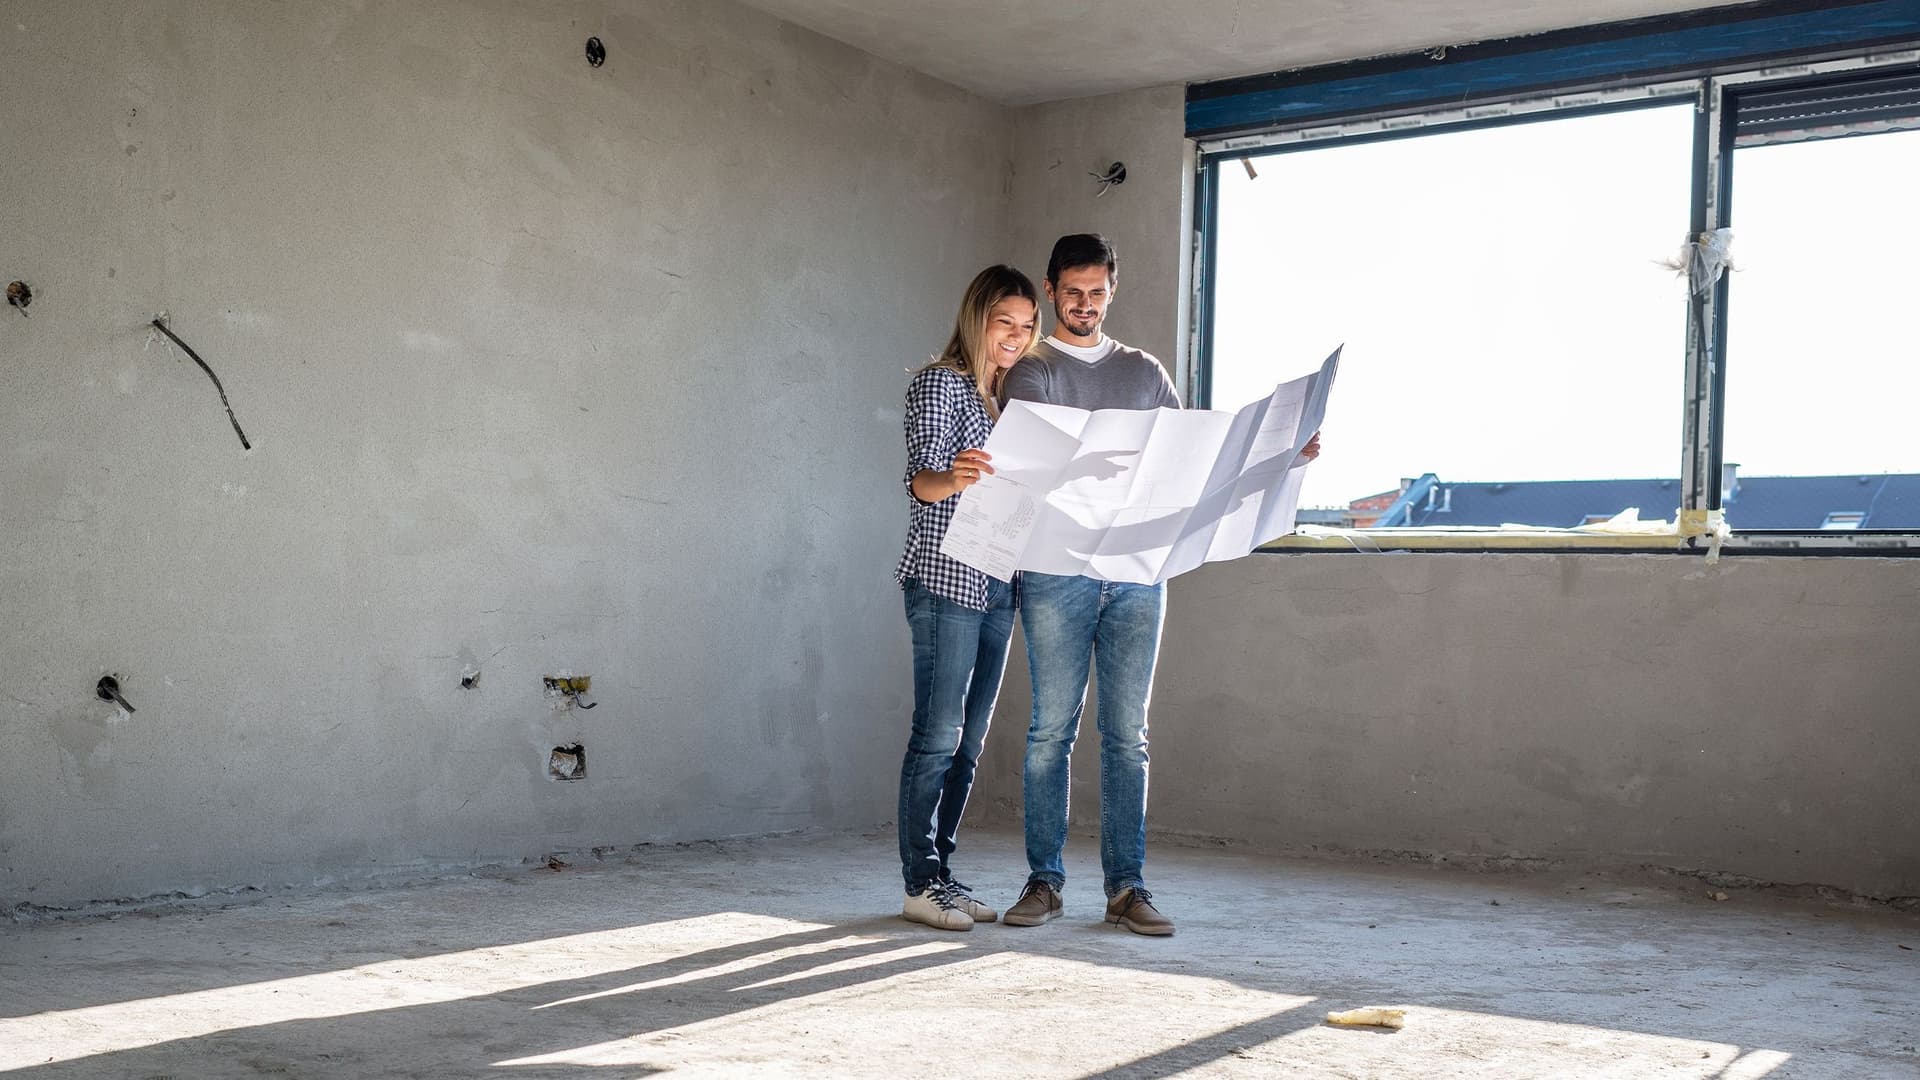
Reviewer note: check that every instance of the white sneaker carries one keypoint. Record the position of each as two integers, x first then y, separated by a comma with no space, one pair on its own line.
937,907
963,899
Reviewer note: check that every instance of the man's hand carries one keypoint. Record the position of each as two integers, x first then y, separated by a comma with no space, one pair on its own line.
1312,449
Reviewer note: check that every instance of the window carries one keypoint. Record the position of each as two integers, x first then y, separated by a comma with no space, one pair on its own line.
1517,354
1822,369
1498,289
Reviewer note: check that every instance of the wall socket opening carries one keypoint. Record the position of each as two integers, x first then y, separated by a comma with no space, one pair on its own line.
567,763
569,689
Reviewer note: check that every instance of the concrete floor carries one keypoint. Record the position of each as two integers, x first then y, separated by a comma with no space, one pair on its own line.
786,957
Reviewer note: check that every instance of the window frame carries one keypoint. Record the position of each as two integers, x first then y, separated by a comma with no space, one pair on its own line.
1716,97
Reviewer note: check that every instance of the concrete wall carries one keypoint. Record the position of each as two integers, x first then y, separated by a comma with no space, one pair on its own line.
1755,717
546,369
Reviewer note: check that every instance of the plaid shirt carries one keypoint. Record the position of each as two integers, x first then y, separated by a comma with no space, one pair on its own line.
944,416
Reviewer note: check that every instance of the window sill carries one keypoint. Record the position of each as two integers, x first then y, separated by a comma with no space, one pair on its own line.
1533,540
1474,539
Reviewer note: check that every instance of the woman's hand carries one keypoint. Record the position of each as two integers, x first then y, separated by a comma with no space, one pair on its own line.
968,467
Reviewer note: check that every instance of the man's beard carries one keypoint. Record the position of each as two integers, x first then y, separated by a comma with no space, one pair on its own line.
1078,327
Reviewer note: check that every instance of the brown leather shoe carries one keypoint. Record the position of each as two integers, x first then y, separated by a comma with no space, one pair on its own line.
1134,910
1039,902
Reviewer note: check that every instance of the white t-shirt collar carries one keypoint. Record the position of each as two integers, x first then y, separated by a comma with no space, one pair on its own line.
1090,354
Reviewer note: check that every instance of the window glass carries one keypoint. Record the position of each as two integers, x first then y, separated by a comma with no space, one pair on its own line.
1500,291
1822,365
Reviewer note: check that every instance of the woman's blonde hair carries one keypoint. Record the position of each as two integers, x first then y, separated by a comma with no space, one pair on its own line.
966,350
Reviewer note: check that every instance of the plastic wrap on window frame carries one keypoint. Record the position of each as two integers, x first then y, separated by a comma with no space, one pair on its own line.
1703,259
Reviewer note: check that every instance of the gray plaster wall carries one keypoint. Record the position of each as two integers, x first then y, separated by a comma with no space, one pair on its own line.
546,369
1755,717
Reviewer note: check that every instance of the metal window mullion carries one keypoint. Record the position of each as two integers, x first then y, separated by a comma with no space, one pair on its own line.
1699,473
1206,219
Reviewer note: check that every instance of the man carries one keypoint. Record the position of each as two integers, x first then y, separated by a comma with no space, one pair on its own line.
1070,621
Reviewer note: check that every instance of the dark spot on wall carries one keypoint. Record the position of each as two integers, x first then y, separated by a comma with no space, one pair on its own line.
108,689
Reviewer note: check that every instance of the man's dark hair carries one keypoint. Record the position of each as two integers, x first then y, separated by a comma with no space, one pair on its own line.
1082,249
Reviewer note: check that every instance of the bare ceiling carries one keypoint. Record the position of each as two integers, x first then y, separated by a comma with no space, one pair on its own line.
1024,51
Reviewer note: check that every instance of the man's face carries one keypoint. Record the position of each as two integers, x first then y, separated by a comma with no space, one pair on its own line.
1080,300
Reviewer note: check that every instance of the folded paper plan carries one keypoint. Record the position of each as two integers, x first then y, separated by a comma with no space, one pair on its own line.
1137,496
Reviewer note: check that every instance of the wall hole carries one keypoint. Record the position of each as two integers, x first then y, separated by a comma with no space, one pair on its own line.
572,688
567,763
108,689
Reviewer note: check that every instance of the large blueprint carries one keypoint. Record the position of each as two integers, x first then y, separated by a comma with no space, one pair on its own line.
1140,496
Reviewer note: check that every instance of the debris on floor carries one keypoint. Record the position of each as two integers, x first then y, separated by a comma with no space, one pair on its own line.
1371,1016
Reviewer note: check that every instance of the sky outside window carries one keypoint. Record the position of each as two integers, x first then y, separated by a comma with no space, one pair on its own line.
1499,291
1823,365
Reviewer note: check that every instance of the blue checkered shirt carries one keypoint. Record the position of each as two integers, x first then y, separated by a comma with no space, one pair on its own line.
944,416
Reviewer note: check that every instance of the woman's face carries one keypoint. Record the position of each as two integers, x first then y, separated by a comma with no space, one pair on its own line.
1010,330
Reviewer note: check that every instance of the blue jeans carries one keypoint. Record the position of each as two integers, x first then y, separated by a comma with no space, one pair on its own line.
1069,621
959,655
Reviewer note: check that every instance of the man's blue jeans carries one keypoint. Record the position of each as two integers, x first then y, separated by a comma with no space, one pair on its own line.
1068,622
959,655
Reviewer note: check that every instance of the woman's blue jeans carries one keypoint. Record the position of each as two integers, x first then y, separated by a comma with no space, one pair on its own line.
1072,622
959,655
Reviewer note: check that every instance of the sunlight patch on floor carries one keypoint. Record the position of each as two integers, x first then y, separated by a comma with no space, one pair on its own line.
1006,1002
1495,1045
71,1034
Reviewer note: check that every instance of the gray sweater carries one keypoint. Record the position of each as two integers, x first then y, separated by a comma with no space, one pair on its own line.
1125,378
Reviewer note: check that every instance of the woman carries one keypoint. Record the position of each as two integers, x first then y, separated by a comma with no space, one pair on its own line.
961,619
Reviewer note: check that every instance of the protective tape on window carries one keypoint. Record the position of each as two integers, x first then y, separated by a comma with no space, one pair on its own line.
1710,525
1626,523
1703,259
1360,541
